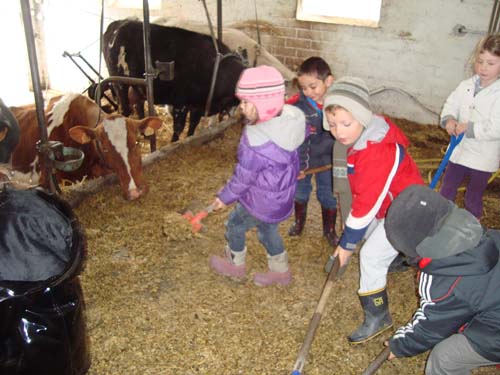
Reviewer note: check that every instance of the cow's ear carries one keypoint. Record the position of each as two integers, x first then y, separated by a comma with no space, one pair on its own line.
148,125
82,134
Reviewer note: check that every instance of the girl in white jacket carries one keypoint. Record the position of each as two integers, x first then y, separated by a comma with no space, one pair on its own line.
474,109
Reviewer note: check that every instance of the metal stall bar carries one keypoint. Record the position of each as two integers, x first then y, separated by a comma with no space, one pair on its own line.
93,86
149,71
218,58
44,146
219,20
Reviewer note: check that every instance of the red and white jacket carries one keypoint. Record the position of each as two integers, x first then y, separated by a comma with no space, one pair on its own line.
379,168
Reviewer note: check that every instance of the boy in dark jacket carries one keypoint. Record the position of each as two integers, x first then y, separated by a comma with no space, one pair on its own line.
459,314
314,79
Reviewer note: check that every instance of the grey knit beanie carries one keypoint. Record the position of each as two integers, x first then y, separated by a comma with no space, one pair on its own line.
352,94
420,221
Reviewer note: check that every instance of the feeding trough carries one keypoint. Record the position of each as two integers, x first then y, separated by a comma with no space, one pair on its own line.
62,158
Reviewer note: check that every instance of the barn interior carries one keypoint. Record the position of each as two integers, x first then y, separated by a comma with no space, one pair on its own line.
152,304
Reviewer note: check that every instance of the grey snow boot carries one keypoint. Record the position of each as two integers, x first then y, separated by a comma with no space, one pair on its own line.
377,317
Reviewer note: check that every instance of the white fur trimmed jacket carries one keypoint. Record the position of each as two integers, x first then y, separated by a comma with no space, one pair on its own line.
480,147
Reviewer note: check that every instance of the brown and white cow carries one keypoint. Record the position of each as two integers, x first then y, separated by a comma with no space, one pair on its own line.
109,142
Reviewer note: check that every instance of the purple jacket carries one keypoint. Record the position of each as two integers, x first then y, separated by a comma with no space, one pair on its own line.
265,178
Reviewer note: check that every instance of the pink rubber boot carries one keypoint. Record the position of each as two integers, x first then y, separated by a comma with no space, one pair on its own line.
278,273
231,264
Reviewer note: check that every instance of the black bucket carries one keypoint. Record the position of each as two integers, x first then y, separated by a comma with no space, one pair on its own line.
42,322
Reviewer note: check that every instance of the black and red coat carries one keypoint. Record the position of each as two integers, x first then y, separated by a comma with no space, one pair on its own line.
459,293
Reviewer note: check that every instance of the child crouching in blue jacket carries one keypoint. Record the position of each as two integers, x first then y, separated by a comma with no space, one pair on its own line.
264,180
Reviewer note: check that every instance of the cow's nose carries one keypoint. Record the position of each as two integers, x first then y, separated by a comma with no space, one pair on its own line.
136,193
133,194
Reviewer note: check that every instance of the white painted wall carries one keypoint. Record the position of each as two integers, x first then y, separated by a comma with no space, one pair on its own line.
414,50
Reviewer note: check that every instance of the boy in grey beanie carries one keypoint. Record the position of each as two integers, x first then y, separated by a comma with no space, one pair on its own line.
378,169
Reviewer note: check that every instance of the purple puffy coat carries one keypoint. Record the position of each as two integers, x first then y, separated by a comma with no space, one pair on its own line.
265,178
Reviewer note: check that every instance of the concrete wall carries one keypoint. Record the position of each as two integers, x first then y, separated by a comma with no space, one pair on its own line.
414,50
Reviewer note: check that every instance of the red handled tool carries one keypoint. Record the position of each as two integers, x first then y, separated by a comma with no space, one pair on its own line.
195,219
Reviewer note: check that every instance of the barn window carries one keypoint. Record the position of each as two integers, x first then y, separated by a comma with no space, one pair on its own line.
352,12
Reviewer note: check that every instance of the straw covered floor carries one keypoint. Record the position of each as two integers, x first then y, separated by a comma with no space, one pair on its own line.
154,307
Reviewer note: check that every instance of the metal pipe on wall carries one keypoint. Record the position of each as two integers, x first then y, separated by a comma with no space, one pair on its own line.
495,15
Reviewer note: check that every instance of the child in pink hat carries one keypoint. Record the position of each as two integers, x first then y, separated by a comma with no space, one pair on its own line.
264,180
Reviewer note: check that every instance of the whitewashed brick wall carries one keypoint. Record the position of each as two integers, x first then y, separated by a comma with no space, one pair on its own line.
413,50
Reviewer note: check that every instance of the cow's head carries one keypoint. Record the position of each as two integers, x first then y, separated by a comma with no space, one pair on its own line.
115,143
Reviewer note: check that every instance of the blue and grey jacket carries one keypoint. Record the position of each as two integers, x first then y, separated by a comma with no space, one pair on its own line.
316,150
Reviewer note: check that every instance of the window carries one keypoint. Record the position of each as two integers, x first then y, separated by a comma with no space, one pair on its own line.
350,12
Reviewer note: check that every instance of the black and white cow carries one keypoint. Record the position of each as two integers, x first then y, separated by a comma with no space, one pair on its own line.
9,133
194,57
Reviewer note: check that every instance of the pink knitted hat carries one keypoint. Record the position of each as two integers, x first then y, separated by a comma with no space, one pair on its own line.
264,87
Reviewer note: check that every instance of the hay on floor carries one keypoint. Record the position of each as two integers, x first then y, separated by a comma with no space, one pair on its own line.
154,306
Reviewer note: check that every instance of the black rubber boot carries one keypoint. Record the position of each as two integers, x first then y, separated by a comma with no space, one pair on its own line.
399,264
377,317
300,219
329,216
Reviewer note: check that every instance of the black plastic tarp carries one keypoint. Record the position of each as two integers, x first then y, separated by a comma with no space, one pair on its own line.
35,238
42,323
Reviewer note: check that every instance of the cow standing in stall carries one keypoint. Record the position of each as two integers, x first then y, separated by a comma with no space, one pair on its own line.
109,142
236,40
194,57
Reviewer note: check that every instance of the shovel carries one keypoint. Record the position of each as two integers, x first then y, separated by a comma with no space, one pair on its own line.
196,218
314,170
377,362
454,141
335,273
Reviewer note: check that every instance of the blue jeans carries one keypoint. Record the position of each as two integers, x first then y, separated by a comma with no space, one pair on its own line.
240,221
324,189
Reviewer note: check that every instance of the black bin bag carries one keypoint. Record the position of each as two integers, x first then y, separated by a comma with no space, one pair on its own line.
42,249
